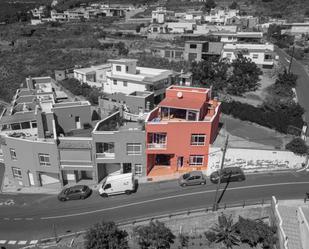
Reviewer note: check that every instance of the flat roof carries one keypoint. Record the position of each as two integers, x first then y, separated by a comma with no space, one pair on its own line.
17,118
182,103
122,60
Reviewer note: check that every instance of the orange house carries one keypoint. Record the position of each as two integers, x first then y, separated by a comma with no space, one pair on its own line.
180,129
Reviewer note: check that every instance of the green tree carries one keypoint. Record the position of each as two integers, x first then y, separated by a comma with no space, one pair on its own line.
254,232
245,76
210,72
234,5
155,235
210,4
297,146
225,231
106,235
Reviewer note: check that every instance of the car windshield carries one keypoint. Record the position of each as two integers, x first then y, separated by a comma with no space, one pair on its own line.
186,176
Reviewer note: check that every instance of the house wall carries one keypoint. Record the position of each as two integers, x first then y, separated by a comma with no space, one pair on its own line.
120,139
135,103
65,116
179,143
197,51
110,87
27,153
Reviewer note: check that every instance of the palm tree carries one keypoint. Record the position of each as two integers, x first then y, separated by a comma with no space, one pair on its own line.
225,231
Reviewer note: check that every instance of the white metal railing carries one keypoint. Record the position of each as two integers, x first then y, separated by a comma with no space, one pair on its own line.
156,146
105,155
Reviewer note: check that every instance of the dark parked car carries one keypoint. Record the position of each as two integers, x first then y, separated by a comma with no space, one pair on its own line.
75,193
230,174
192,178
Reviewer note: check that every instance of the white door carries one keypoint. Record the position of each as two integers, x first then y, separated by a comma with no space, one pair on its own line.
77,122
31,179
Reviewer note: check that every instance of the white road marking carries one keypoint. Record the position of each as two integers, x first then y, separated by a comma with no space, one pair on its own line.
2,242
12,242
171,197
33,242
6,218
22,242
17,218
29,218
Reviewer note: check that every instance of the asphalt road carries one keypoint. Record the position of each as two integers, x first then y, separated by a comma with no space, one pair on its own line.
34,217
302,87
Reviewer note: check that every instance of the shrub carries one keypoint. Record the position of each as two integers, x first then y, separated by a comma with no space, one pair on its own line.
297,146
106,235
155,235
210,236
279,118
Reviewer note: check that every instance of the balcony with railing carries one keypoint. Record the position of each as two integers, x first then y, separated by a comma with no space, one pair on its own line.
156,146
105,155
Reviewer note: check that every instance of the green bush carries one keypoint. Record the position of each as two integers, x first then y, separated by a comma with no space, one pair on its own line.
210,236
279,118
297,146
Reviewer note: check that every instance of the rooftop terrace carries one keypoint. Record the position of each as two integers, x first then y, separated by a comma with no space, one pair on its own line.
115,122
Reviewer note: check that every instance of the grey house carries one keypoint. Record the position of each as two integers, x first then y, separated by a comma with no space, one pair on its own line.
118,147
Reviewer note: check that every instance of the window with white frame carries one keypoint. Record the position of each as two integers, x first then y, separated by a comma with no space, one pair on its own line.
138,169
134,149
17,173
125,83
44,159
198,139
118,68
196,160
115,82
228,55
13,154
255,56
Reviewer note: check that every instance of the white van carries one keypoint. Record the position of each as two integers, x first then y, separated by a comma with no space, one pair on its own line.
117,184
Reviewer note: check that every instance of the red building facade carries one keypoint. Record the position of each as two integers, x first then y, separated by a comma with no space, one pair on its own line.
180,129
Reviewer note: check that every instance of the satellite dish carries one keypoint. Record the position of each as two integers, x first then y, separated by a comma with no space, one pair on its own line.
179,95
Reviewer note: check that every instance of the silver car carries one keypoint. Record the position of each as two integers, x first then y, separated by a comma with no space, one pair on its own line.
192,178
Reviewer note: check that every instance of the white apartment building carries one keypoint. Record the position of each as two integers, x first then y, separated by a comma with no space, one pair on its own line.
220,15
94,75
160,15
237,37
181,27
125,77
262,54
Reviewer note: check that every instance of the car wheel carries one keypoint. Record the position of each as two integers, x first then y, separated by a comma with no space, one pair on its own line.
63,199
183,185
104,195
128,192
203,183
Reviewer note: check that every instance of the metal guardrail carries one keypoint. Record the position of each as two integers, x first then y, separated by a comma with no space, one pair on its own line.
243,204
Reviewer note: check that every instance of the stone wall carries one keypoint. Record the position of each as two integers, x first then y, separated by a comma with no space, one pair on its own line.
254,160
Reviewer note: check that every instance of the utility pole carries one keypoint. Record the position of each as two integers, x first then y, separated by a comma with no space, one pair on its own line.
292,56
215,205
